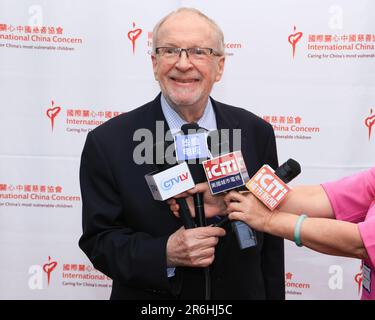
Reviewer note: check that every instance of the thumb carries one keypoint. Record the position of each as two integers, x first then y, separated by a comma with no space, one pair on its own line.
200,187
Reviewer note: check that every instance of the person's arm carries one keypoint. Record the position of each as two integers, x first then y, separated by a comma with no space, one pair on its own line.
324,235
311,200
329,236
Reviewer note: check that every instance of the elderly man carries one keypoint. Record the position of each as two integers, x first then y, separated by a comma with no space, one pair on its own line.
137,241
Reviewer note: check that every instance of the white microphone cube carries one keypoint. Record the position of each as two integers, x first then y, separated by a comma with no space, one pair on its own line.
170,182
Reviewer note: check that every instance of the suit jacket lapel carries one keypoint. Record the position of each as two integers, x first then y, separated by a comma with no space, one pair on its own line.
226,120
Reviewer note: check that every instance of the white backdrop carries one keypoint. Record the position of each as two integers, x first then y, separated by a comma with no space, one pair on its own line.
71,64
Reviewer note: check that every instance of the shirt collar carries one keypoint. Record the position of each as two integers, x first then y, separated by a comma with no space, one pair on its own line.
175,122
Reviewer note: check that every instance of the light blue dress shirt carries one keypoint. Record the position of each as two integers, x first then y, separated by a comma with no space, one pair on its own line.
175,122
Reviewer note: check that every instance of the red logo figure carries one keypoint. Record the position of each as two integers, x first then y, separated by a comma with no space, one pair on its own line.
369,122
288,276
358,279
49,267
294,38
133,35
52,113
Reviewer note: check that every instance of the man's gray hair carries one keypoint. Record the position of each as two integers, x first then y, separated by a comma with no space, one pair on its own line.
218,31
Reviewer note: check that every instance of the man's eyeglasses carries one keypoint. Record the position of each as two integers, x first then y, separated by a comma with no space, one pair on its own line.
194,54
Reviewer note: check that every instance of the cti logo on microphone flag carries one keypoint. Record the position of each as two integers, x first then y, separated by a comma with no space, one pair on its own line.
268,187
225,172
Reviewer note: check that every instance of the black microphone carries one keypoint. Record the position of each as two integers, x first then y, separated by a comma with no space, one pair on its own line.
185,215
197,173
286,172
199,176
165,163
218,144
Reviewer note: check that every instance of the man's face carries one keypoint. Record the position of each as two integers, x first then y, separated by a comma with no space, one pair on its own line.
185,82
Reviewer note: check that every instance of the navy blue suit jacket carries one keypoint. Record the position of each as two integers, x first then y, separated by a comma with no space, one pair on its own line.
125,230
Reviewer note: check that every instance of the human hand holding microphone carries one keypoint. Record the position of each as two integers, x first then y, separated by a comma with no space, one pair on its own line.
244,206
188,246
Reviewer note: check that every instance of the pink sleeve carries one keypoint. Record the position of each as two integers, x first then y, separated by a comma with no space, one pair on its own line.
367,231
352,196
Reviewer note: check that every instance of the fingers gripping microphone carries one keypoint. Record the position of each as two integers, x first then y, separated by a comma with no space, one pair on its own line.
286,172
228,171
270,188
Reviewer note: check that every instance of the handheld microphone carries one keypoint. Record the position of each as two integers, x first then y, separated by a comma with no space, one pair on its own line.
169,180
288,170
227,172
231,163
266,190
268,187
185,215
192,147
194,150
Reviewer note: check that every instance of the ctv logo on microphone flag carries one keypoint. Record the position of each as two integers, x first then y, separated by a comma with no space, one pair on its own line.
268,187
225,172
170,182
